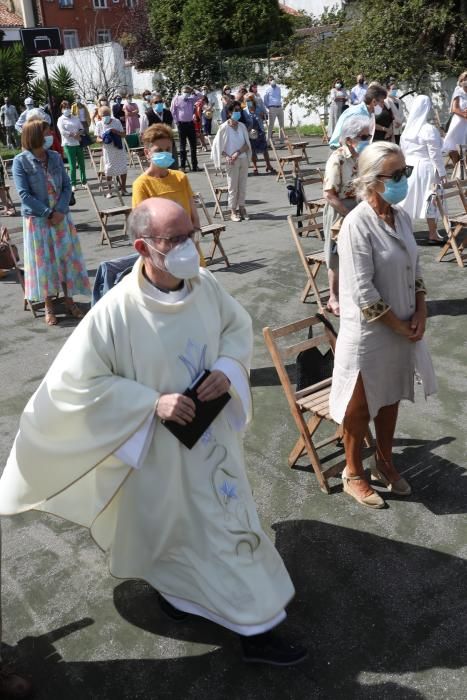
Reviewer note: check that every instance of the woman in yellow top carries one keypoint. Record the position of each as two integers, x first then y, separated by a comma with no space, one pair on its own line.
159,181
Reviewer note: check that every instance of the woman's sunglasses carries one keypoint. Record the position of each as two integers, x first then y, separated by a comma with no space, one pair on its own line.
399,174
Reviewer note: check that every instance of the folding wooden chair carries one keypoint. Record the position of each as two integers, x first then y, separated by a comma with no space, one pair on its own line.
218,187
11,204
284,160
460,169
296,145
211,229
313,204
312,261
455,223
133,147
6,163
95,156
104,214
5,237
312,400
324,130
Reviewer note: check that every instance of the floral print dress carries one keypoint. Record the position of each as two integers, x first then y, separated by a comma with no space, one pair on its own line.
52,255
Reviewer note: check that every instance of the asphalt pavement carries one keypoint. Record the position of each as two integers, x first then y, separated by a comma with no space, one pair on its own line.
381,596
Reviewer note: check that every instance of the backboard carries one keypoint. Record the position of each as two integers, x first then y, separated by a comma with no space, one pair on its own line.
41,39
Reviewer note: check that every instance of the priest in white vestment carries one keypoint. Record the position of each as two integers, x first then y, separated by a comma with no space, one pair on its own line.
91,446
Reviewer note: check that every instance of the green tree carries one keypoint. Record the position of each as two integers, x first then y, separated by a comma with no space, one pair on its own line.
62,86
193,33
408,39
135,35
16,73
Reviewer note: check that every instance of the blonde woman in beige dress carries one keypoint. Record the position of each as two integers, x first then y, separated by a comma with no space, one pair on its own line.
383,316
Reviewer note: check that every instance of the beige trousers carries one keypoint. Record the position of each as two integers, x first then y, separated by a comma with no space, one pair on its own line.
276,113
237,175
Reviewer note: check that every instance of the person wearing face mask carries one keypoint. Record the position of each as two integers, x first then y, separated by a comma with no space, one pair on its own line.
457,132
382,322
29,104
8,118
52,253
261,110
372,103
71,131
98,443
198,120
183,108
113,154
102,101
338,98
117,110
421,144
231,148
257,134
207,112
273,102
79,109
358,91
226,98
131,111
160,179
396,106
339,193
384,119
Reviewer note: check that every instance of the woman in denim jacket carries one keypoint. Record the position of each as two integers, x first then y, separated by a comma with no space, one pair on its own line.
52,252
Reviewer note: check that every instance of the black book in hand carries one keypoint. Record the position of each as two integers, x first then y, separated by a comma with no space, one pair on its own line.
205,412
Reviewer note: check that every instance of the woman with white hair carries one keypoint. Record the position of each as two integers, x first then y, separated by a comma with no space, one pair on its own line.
422,147
457,132
339,193
383,315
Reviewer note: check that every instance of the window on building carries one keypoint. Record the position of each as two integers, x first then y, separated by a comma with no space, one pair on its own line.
103,36
66,3
100,4
70,39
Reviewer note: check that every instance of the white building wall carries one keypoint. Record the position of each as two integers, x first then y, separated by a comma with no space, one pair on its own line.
312,7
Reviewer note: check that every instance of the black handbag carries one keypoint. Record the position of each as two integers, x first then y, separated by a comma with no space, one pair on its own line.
312,366
72,200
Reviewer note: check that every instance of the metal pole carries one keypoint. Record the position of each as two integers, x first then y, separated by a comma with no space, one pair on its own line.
49,92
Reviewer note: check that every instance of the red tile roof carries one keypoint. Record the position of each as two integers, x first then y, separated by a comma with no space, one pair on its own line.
289,10
9,19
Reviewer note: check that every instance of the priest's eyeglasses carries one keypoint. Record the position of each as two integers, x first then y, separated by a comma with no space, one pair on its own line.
399,174
171,240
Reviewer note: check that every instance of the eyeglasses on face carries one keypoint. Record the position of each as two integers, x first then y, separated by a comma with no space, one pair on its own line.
399,174
171,240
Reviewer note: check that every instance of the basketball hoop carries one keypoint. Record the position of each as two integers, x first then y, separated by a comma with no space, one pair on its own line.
47,52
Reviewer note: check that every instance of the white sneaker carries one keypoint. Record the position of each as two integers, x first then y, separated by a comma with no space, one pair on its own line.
235,217
109,195
243,214
73,188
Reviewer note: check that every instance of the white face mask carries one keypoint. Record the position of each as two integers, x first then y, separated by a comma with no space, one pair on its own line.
378,110
182,261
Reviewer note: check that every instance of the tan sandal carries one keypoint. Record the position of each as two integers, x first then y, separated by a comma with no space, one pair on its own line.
400,487
50,318
74,310
373,500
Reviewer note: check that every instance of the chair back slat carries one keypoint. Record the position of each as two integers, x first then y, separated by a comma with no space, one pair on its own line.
293,350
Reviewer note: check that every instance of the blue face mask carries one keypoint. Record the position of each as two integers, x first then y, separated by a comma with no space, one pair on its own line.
236,116
48,141
395,192
249,104
162,160
393,93
159,107
106,119
361,145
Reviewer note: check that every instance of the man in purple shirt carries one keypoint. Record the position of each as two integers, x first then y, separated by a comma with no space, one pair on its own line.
182,108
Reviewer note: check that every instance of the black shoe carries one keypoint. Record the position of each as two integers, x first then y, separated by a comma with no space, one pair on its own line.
270,648
437,241
168,609
196,170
